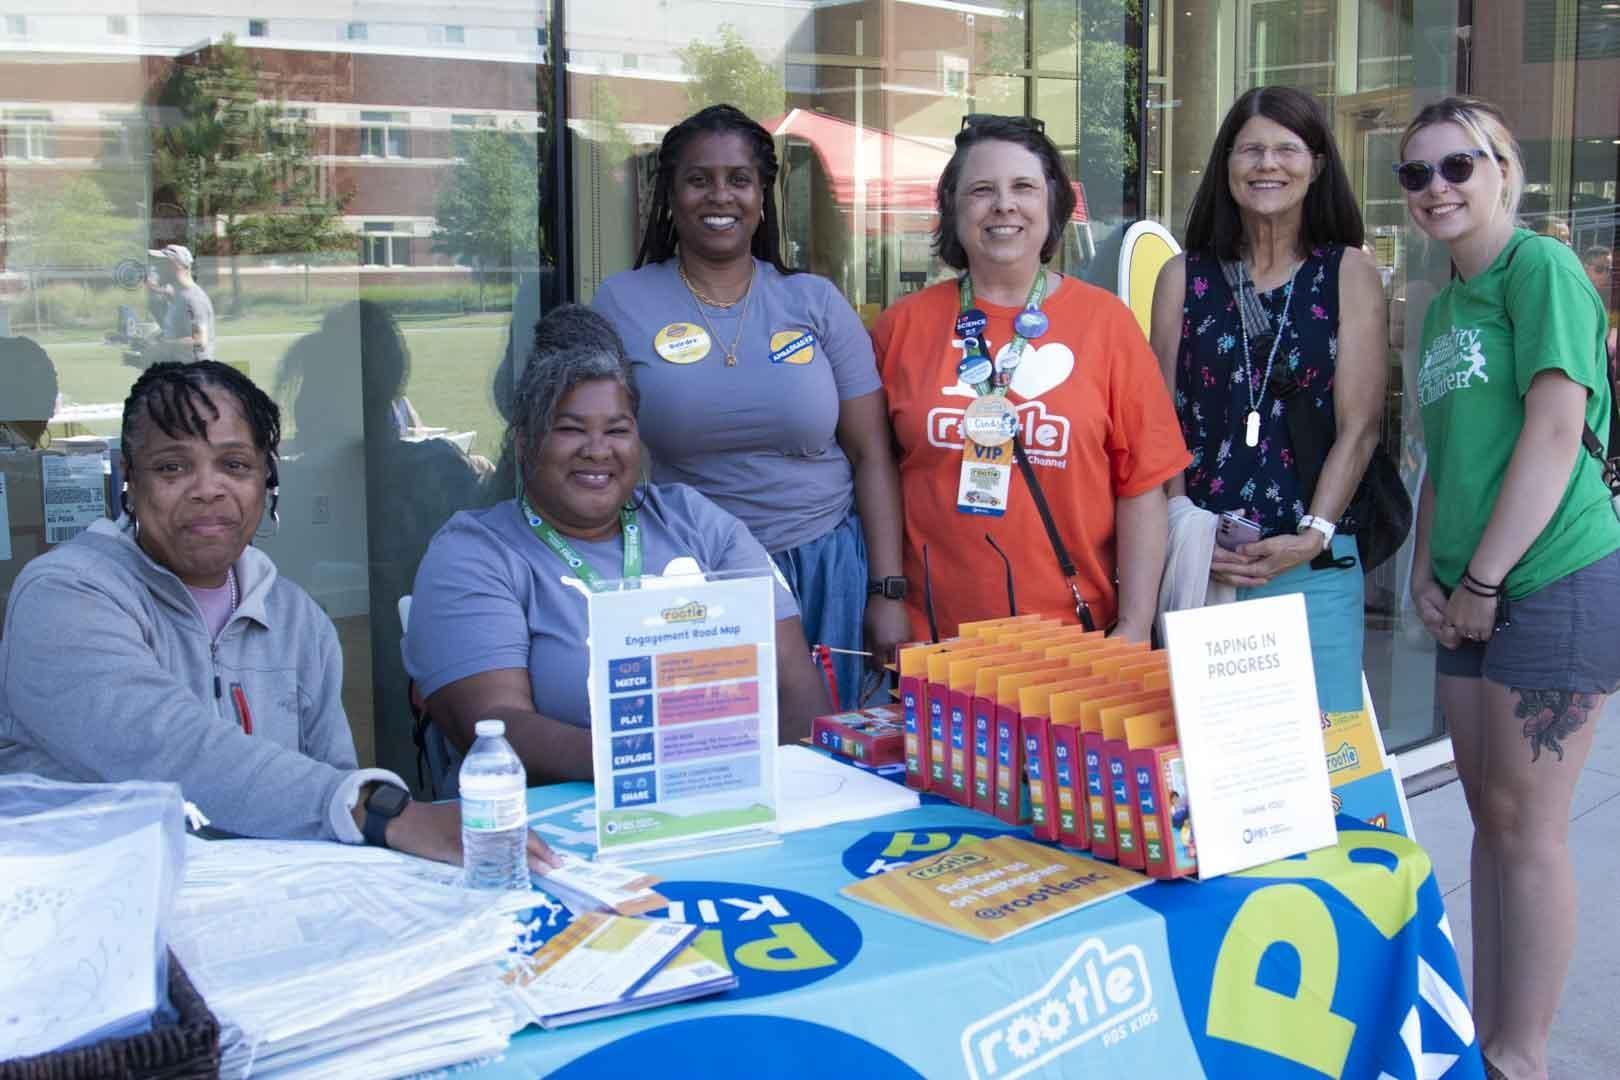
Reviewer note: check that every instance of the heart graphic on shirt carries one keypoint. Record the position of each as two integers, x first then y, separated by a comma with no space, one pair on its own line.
1042,369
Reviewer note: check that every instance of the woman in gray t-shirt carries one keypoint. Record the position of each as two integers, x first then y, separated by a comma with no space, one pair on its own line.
760,386
498,619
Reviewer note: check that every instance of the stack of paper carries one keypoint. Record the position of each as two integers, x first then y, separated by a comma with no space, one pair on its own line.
604,965
331,960
586,886
815,790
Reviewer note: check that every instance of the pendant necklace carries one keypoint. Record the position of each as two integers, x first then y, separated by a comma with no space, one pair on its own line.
742,319
1251,422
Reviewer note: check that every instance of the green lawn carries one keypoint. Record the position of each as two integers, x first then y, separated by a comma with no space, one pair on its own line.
453,361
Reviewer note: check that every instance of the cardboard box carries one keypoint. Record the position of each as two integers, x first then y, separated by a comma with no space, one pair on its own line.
1168,845
989,759
874,736
25,516
1122,777
1099,789
1034,704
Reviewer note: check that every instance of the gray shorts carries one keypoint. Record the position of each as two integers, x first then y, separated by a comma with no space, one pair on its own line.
1563,636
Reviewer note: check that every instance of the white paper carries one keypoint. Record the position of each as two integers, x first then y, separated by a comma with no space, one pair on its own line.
814,790
74,494
5,523
78,941
1250,732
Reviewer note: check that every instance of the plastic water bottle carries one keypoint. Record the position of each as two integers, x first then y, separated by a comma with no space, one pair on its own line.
494,812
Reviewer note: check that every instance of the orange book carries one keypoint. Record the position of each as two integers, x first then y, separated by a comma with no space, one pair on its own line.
1034,730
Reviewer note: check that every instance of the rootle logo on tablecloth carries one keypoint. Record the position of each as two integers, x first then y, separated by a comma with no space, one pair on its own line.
1096,994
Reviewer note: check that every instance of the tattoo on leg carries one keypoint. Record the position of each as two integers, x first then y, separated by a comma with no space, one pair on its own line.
1550,716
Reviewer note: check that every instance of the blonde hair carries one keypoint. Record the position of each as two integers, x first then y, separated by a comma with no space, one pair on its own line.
1485,125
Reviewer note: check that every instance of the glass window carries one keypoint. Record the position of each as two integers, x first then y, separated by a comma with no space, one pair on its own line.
118,25
864,99
16,25
374,303
455,35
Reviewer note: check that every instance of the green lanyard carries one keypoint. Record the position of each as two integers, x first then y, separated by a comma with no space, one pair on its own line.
1015,351
565,551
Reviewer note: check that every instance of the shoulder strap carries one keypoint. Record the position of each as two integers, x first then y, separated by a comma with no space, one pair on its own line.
1082,610
1589,438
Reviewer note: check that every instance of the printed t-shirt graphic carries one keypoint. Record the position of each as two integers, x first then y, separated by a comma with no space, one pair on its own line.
1093,415
1484,341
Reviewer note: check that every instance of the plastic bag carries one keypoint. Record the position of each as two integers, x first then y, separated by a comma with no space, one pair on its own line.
88,876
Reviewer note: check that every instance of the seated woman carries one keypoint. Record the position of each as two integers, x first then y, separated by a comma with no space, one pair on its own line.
164,647
500,624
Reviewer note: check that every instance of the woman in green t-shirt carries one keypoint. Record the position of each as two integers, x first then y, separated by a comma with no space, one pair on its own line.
1516,567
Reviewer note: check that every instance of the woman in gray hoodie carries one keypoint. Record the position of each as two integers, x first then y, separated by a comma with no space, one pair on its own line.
164,646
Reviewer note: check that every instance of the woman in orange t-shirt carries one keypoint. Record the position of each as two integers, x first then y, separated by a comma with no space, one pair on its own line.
1019,357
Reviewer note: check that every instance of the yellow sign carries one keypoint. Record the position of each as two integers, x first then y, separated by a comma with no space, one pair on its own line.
1004,885
793,347
1351,746
682,343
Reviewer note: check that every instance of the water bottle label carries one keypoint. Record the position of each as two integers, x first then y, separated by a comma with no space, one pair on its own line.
494,815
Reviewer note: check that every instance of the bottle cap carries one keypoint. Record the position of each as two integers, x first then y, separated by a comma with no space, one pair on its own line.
491,728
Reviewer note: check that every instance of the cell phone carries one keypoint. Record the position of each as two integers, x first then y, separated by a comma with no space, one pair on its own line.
1235,530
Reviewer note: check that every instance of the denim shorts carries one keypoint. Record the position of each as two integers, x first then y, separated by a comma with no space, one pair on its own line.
1563,636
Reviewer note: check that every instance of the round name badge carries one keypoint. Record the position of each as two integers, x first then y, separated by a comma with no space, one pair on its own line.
682,343
974,369
1031,323
971,323
990,421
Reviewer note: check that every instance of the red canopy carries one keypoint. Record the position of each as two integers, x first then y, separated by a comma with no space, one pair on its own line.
901,172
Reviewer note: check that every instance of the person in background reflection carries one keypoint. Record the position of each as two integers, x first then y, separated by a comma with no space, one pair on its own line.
187,327
498,622
184,655
761,392
28,390
1598,262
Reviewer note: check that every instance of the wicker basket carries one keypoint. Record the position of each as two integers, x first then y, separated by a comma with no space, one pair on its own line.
185,1050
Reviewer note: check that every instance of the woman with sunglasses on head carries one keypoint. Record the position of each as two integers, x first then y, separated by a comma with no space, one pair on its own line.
1516,568
499,614
164,646
1274,307
1012,361
760,387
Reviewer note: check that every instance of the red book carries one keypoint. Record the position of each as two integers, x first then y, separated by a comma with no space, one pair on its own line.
914,712
1099,812
1038,771
939,738
1012,797
1122,801
1069,781
960,734
983,712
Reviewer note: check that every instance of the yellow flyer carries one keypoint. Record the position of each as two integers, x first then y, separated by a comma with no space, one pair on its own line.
996,888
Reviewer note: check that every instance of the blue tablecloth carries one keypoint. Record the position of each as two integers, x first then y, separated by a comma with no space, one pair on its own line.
1336,964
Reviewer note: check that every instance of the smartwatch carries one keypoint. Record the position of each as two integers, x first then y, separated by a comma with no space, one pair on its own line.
1321,525
890,588
386,803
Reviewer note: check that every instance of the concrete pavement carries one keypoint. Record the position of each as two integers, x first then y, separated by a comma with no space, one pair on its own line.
1586,1035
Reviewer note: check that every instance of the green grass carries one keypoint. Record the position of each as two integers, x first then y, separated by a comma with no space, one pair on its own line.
453,363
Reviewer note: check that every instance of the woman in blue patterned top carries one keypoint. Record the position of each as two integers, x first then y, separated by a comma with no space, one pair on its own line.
1275,306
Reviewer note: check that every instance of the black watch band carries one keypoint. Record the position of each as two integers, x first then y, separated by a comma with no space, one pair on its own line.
386,803
890,588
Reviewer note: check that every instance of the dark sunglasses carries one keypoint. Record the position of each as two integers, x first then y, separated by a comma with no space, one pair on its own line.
1455,168
1034,123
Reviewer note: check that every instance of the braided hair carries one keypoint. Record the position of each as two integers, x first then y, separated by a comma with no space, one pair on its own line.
659,241
174,397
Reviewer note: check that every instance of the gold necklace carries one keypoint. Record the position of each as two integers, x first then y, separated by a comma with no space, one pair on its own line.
746,298
704,297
